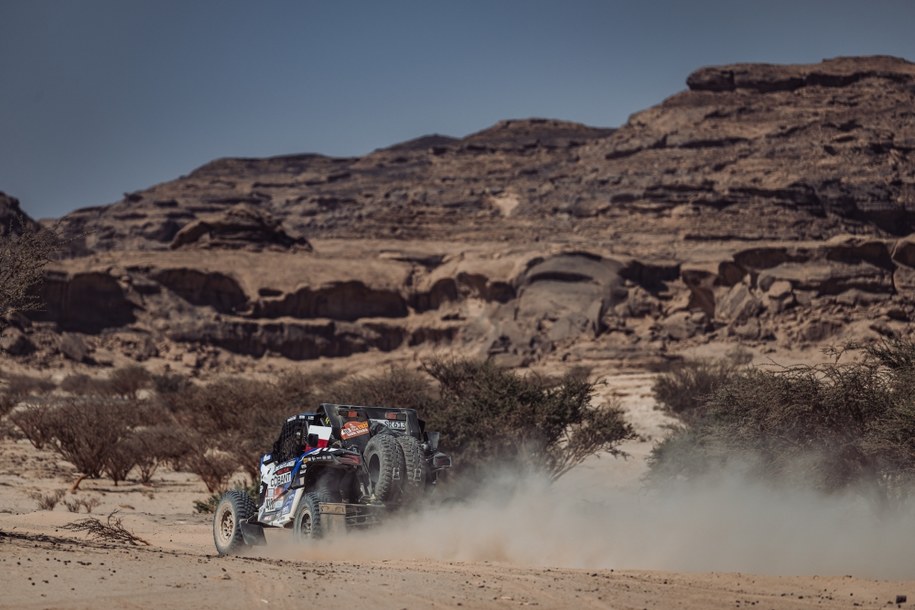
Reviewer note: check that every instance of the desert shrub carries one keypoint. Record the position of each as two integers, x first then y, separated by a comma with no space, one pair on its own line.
33,420
88,504
17,388
120,459
170,384
684,389
128,380
214,467
81,384
237,419
125,381
84,431
47,501
156,444
396,387
833,426
488,414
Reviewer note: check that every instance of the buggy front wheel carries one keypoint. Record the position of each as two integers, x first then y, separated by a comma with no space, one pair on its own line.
233,508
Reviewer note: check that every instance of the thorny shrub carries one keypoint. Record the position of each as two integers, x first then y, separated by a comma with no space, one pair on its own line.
834,426
486,413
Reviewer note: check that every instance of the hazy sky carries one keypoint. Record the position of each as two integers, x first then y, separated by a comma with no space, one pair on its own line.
99,97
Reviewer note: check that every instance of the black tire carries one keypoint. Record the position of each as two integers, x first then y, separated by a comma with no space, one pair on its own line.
385,462
306,524
414,480
233,508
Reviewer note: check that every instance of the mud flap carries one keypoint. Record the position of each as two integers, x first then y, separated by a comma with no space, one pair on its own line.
340,517
253,534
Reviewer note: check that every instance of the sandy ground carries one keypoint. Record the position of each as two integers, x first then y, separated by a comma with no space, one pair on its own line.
490,556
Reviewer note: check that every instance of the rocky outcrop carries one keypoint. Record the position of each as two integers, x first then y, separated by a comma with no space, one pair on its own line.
241,226
85,302
762,204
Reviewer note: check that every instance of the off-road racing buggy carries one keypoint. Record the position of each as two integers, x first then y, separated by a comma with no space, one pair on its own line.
341,467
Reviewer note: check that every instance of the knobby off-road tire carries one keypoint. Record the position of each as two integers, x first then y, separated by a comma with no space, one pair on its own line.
306,523
414,479
385,461
233,508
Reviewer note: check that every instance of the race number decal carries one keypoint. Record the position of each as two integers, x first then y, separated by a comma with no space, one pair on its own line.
352,429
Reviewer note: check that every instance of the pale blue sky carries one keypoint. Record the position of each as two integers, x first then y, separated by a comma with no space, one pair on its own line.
99,97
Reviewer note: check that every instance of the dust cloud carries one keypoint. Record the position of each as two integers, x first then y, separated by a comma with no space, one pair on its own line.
725,523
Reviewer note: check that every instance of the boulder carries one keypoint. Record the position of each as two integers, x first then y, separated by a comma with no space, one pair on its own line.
739,304
73,347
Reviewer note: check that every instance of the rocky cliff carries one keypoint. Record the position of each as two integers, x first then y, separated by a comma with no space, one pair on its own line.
770,205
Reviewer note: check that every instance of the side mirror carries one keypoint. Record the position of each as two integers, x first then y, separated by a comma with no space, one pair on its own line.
432,438
312,440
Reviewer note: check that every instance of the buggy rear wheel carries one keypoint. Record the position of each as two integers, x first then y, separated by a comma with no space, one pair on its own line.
233,508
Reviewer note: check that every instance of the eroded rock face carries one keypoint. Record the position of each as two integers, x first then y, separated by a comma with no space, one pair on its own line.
242,226
762,204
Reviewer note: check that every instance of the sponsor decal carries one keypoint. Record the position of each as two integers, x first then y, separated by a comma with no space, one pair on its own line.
281,477
352,429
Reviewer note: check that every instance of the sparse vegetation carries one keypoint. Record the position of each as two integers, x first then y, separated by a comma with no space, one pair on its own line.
112,530
217,429
74,505
834,426
209,505
47,501
487,413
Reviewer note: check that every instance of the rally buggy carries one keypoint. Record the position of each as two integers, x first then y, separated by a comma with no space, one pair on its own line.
341,467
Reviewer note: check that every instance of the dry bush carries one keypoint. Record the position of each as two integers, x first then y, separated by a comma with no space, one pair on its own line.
235,418
833,426
49,500
84,431
25,250
169,385
88,504
155,445
685,388
82,385
33,421
18,388
214,468
120,459
397,387
125,381
111,531
128,380
488,414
